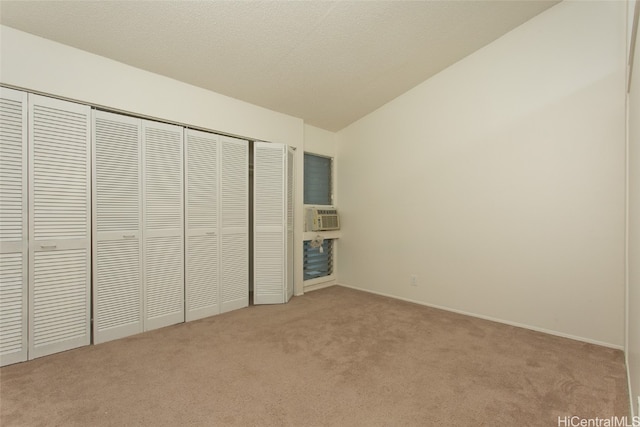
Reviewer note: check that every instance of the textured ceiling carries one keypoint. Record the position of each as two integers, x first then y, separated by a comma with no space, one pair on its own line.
327,62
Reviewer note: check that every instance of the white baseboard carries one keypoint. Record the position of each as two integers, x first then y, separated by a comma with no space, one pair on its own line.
321,285
493,319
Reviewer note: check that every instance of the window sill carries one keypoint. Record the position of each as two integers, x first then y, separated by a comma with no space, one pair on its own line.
310,235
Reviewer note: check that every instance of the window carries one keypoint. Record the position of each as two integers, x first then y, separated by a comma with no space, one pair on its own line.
318,264
318,186
317,180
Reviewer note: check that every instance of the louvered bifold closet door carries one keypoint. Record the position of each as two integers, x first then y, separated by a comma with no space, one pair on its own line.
59,225
234,227
201,224
290,223
13,226
270,223
117,227
163,252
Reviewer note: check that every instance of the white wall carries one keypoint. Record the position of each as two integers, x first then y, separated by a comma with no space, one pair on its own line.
40,65
633,325
320,141
500,181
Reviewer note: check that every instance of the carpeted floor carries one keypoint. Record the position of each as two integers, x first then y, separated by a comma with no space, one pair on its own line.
334,357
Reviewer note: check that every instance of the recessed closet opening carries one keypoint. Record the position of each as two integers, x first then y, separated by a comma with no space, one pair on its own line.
118,225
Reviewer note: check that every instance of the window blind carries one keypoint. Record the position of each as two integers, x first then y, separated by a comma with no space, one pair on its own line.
318,264
317,180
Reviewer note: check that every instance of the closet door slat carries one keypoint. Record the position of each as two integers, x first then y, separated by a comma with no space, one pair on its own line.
163,224
234,227
117,226
13,226
59,225
201,224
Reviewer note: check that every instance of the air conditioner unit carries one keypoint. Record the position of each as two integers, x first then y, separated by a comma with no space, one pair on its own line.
322,219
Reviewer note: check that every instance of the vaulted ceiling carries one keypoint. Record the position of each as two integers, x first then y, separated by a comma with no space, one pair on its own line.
327,62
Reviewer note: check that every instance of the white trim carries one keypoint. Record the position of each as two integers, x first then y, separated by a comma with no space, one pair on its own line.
492,319
319,285
633,10
633,40
626,247
317,280
310,235
631,406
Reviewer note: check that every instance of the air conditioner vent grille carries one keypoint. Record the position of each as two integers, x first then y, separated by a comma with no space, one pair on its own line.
322,219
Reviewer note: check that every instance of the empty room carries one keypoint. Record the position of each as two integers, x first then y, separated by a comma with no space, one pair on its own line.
320,213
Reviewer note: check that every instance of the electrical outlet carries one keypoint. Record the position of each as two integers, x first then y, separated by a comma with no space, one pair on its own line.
414,280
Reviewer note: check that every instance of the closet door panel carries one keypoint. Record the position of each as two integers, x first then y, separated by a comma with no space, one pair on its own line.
270,226
201,288
290,223
163,224
234,215
164,297
117,226
13,226
59,225
201,224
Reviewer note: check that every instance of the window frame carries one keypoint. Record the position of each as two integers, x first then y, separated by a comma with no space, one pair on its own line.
319,282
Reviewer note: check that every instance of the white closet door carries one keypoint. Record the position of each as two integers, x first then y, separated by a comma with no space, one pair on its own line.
13,226
290,224
270,176
234,216
201,224
117,227
163,231
59,225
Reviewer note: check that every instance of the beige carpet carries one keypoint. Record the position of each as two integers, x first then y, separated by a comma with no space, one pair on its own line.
334,357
